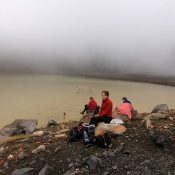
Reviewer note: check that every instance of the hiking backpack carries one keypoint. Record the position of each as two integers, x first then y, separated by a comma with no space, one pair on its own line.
88,134
76,133
103,141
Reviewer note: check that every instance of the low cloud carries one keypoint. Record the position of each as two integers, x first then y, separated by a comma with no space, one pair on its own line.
88,37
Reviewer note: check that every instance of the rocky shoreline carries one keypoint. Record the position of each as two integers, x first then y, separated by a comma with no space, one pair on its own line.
165,81
143,149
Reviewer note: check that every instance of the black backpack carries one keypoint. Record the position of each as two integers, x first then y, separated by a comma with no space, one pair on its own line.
75,135
88,134
103,141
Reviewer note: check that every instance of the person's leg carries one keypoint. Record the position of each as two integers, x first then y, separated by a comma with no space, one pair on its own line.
96,120
97,110
106,119
85,109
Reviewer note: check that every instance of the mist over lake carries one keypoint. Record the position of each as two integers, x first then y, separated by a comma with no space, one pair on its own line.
92,37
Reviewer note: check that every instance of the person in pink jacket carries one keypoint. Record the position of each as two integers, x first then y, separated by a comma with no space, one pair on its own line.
123,111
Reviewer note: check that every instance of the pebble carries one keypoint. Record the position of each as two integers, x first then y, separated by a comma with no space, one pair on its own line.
39,149
111,154
120,148
62,131
96,154
38,133
32,163
57,149
10,157
1,162
114,167
6,165
41,159
48,151
2,150
92,162
22,155
105,153
62,126
61,136
71,166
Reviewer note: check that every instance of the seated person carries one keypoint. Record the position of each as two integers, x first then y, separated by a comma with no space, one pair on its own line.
123,111
91,107
105,113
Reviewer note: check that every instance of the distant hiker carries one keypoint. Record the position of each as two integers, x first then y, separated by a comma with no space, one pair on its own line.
105,113
125,100
91,107
123,111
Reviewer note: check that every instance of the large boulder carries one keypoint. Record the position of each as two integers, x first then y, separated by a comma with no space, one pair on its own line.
51,123
162,108
159,112
160,139
19,126
155,116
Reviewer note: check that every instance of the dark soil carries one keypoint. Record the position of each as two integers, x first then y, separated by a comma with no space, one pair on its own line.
133,153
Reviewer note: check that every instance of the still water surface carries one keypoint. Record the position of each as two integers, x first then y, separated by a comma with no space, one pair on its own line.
46,97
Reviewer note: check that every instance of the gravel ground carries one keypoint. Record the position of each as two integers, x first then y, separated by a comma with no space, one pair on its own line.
133,153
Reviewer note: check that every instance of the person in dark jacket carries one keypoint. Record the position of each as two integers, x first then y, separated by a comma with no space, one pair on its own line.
105,113
90,107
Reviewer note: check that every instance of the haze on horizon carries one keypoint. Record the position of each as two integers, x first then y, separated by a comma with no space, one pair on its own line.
88,37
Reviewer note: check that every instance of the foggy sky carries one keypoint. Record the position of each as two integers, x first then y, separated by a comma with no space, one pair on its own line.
88,36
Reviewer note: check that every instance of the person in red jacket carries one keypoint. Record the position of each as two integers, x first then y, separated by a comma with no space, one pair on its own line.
90,107
105,113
